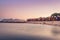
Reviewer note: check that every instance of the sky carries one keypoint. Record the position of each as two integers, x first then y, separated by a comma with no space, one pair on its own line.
24,9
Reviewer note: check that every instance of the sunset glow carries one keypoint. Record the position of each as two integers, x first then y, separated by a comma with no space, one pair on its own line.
24,9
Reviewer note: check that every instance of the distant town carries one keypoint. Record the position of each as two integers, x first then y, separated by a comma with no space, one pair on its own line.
53,17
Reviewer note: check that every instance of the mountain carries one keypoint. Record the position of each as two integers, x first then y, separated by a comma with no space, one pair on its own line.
12,21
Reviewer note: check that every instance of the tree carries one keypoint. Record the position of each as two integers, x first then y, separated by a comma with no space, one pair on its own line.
55,14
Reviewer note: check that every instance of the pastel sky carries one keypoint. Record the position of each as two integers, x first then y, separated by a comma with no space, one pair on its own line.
24,9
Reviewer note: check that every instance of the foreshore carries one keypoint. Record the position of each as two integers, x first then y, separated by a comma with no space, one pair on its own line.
54,23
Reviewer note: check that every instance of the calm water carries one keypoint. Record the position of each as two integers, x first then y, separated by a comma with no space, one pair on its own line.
26,31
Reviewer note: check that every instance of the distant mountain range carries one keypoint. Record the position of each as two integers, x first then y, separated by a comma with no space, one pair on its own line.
12,21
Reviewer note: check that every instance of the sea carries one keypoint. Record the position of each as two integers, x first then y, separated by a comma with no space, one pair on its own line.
28,31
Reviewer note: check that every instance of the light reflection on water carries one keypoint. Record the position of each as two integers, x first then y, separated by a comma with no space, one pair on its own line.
28,29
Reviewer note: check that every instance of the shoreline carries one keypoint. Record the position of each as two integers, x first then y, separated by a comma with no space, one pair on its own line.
53,23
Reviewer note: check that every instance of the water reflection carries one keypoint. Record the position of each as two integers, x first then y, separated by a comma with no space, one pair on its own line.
29,31
56,32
